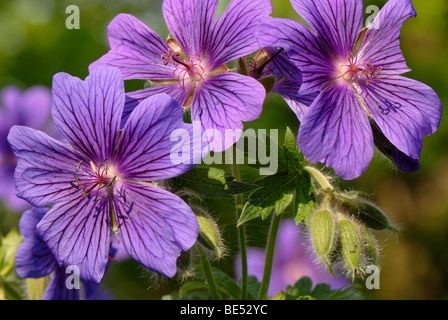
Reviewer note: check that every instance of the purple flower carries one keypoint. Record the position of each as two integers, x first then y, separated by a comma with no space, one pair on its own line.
17,107
35,260
356,72
292,261
190,67
102,180
271,64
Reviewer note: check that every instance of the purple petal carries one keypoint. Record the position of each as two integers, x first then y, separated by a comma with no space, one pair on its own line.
33,258
57,289
234,31
221,102
317,63
336,131
89,112
135,49
337,22
405,111
155,226
381,43
190,23
45,166
147,147
78,233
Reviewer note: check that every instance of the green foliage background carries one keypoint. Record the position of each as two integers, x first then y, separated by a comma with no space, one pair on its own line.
35,44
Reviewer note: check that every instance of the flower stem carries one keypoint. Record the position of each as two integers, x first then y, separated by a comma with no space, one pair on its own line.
269,257
241,231
209,276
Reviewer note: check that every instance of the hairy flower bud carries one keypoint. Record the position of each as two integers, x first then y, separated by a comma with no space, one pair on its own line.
323,235
371,248
365,211
350,246
209,234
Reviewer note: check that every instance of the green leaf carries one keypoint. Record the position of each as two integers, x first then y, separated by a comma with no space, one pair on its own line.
36,287
209,182
253,287
227,284
9,245
192,286
276,192
279,296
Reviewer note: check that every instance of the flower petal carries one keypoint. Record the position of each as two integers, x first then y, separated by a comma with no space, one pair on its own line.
148,146
312,57
234,31
155,226
336,131
337,22
405,110
135,49
381,43
57,288
45,166
190,22
89,112
220,104
33,258
78,233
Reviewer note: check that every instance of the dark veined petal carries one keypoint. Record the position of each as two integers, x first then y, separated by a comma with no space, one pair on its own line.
89,112
234,31
222,102
381,43
57,288
173,90
135,49
155,226
78,233
336,131
337,22
45,166
312,57
148,147
33,258
190,23
405,110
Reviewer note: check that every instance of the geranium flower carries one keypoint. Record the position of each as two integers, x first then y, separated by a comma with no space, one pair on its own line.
102,180
29,108
190,67
35,260
356,71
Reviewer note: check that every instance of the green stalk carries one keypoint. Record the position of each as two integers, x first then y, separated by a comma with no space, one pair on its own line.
209,276
241,231
269,257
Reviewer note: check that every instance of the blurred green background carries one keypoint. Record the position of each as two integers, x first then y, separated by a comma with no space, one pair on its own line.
35,44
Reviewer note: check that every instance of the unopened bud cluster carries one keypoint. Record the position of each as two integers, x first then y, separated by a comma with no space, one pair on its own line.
341,229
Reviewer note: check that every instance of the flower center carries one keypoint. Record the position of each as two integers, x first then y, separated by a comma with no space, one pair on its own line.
354,73
190,71
93,180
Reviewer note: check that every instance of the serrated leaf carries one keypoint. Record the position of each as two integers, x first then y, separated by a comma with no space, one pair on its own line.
276,193
227,284
305,201
8,250
210,182
253,287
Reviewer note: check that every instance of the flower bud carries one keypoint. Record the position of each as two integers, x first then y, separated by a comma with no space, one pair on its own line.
209,235
350,246
323,235
371,248
366,212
